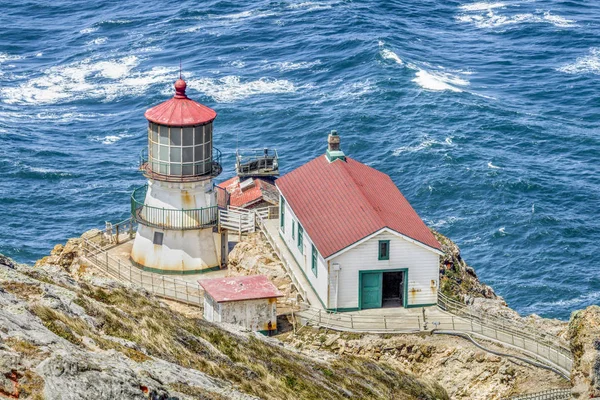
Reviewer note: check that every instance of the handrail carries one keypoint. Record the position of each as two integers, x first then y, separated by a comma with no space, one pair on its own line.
552,394
160,285
165,218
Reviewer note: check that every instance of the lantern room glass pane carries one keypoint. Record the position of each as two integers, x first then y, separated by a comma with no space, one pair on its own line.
163,169
188,169
175,154
175,136
175,169
154,129
154,151
198,153
188,154
200,169
199,135
188,136
164,134
164,153
207,151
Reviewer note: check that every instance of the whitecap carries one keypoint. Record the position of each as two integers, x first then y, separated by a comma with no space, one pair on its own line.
390,55
238,64
502,231
310,6
9,57
97,41
87,79
293,66
490,19
480,6
232,88
111,139
492,166
427,143
583,65
439,81
89,30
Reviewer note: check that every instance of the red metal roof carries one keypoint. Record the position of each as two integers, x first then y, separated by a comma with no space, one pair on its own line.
238,288
262,190
180,110
340,203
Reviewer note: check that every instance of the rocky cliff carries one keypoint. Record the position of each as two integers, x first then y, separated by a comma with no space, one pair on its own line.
94,338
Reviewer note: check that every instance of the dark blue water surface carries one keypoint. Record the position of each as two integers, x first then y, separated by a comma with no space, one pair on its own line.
486,115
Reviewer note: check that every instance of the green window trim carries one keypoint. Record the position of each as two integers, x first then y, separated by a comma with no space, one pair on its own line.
300,238
293,229
314,265
384,250
282,214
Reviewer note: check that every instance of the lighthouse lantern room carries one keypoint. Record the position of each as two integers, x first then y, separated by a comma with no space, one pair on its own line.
177,210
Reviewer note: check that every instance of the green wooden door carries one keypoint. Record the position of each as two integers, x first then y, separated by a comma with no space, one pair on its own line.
371,287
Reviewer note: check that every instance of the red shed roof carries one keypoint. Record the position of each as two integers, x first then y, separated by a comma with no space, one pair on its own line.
261,190
342,202
180,110
252,287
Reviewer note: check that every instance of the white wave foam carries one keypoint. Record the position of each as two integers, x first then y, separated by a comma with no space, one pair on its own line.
490,19
97,41
232,88
310,6
238,64
8,57
89,30
584,65
111,139
292,66
104,80
439,81
492,166
390,55
480,6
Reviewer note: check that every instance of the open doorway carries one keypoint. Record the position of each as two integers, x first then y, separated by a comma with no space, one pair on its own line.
393,289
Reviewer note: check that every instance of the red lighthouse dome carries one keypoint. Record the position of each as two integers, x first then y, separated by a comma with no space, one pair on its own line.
180,110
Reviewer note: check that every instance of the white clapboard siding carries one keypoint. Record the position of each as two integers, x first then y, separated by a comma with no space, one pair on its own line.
422,265
319,282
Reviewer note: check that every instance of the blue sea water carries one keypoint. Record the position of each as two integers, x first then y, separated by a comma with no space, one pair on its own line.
485,114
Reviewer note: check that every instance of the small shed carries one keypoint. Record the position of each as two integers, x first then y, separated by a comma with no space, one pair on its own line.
248,301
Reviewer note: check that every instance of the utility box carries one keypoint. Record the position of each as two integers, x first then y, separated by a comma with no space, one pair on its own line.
248,301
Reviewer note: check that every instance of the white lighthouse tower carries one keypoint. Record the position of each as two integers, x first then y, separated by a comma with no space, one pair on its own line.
177,211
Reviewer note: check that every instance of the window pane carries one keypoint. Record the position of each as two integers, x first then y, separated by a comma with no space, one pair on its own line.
154,151
175,169
198,153
188,154
162,169
199,133
175,136
207,150
188,137
164,134
199,169
154,129
187,169
175,154
164,153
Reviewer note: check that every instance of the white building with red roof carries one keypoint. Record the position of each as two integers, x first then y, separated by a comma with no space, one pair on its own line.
356,238
248,301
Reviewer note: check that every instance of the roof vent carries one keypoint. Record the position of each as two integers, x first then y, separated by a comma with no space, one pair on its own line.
247,184
333,148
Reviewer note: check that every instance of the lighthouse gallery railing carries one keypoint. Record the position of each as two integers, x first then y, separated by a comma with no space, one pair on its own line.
164,218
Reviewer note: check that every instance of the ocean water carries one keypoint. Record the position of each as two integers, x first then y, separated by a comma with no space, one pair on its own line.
485,114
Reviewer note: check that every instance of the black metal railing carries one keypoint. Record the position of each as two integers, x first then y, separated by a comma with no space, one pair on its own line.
166,218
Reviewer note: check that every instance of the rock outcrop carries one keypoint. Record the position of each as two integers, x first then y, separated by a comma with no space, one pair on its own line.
584,335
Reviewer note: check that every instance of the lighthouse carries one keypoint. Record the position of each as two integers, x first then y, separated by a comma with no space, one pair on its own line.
177,210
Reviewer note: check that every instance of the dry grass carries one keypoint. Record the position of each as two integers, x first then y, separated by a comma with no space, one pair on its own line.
24,291
252,365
